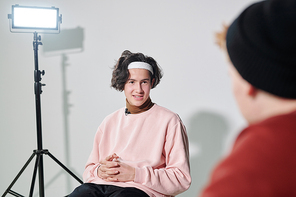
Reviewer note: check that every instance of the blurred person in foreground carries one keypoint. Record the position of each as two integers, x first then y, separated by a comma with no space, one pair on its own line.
261,50
141,149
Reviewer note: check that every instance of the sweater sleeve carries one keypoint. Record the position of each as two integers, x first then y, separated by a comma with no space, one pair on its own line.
174,178
90,172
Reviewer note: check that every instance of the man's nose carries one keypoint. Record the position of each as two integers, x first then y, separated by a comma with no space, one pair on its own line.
139,88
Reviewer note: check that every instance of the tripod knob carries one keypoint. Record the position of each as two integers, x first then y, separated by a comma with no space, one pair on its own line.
38,75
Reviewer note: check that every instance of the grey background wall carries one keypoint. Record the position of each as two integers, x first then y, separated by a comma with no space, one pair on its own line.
77,96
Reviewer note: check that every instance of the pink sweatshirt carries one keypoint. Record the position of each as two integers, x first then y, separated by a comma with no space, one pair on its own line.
154,142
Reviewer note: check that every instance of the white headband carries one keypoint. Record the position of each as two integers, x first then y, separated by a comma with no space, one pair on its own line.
143,65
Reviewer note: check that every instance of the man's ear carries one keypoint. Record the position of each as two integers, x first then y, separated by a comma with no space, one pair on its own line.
252,91
152,82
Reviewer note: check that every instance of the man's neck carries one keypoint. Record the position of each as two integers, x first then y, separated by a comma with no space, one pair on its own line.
268,106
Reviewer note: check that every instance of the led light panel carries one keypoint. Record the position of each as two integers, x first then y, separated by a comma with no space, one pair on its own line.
40,19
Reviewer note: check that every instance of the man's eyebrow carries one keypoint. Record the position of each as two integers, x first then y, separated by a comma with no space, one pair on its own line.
140,80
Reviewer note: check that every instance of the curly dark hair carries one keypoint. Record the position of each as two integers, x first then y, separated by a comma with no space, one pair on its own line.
120,72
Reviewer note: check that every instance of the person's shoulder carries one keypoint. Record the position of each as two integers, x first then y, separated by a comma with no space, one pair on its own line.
165,112
115,114
162,109
286,120
275,129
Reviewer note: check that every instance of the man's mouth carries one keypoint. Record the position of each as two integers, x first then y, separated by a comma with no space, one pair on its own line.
137,97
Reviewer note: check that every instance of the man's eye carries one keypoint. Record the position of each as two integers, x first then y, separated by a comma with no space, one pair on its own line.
131,82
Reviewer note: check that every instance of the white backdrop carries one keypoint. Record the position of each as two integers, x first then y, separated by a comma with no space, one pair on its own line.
77,96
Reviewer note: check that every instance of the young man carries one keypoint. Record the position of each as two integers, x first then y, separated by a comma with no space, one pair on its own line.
140,150
261,46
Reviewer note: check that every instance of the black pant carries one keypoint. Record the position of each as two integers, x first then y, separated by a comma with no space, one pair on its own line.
95,190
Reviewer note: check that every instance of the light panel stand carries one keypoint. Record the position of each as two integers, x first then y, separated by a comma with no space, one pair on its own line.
39,152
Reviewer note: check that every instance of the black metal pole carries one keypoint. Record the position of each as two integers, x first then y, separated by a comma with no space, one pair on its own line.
38,91
39,152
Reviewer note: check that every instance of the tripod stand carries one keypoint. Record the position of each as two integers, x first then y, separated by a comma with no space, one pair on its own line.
40,151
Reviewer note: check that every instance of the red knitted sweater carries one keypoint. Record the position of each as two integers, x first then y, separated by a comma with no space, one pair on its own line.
262,162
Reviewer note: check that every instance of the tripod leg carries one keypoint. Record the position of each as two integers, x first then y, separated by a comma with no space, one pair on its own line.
64,167
19,174
41,177
15,194
34,175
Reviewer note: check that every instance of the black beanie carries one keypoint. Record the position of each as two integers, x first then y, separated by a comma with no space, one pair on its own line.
261,44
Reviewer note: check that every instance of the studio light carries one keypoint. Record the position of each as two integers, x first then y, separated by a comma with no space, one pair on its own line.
31,19
36,20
